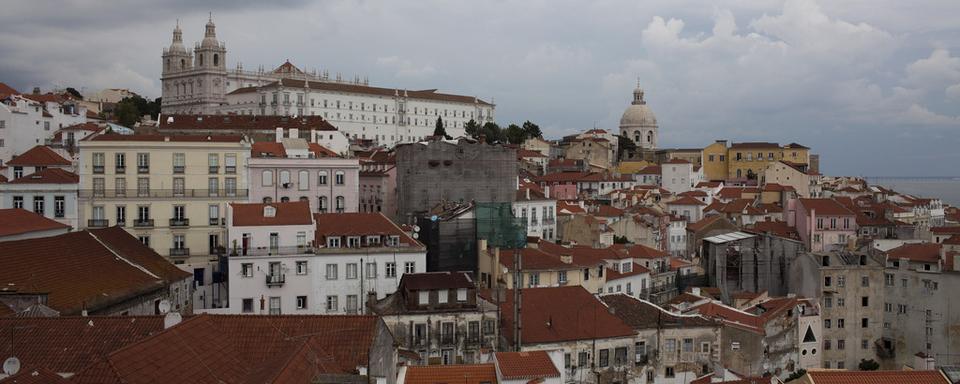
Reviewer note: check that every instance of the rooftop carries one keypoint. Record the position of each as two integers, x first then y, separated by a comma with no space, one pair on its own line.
428,94
457,373
267,214
16,221
559,314
358,224
49,176
641,314
436,280
243,122
525,365
38,155
167,138
876,377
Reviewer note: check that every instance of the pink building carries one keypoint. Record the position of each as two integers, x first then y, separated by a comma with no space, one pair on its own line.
292,169
378,184
823,224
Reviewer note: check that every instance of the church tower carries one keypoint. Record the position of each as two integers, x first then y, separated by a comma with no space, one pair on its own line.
176,63
638,122
209,62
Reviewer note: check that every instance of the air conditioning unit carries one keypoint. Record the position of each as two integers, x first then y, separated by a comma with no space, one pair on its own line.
287,185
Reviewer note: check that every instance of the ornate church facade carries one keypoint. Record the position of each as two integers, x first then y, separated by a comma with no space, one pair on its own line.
639,123
200,83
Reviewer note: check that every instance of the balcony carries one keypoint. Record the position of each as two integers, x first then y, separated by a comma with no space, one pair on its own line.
98,223
230,170
98,169
214,169
162,193
179,169
214,221
142,169
143,223
273,251
180,222
120,170
179,252
276,280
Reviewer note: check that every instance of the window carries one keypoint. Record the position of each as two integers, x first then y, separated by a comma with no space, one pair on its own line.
59,206
604,358
351,306
841,323
246,269
322,204
301,267
669,373
670,345
443,296
179,163
179,185
266,178
143,162
534,279
301,302
409,267
338,178
841,344
18,202
391,269
864,322
230,160
230,186
687,345
331,303
864,281
143,186
333,242
322,178
99,161
827,280
99,186
247,305
340,204
303,180
120,186
351,271
841,281
38,205
214,212
284,179
562,277
826,323
331,272
582,359
461,294
865,301
213,163
121,215
145,240
17,172
840,302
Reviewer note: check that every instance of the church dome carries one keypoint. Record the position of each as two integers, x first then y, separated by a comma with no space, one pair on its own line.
177,45
210,36
638,113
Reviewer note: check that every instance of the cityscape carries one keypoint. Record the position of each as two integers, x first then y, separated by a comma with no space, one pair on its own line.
284,223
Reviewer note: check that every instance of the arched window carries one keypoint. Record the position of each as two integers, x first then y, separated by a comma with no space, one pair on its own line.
322,178
267,200
183,63
650,137
339,178
168,64
303,180
266,178
340,204
216,59
739,173
284,199
201,59
304,199
284,178
322,204
636,137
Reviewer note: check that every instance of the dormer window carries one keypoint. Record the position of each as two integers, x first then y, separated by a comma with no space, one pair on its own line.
461,294
353,242
393,241
373,240
269,211
424,297
333,242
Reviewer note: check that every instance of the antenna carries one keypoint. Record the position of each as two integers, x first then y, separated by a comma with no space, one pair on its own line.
11,366
164,306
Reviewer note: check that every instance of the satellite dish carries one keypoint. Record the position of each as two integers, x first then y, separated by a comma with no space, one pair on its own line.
164,306
433,218
416,235
416,228
11,366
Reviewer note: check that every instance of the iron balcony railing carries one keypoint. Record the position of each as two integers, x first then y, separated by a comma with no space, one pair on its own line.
276,280
143,223
180,222
143,169
179,251
272,251
162,193
98,169
98,223
214,169
120,169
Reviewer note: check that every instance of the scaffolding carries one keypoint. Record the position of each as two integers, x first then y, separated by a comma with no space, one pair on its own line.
497,225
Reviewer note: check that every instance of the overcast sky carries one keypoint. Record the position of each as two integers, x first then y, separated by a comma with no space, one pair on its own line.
871,85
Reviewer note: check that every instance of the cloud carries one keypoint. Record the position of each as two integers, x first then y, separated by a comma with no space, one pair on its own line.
406,67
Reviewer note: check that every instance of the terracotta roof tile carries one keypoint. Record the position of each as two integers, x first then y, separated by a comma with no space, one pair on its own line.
558,314
243,123
172,138
955,230
444,374
703,223
644,252
525,365
49,176
358,224
641,314
429,94
825,207
15,221
39,155
284,213
876,377
436,280
6,90
686,200
61,266
919,252
36,376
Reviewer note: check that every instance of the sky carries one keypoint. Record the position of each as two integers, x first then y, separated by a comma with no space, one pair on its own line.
873,86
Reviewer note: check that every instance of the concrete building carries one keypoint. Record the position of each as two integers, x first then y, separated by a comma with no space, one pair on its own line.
539,212
291,169
51,192
20,224
349,257
597,153
823,224
378,187
201,83
755,261
171,192
28,120
430,173
678,176
787,173
743,162
441,317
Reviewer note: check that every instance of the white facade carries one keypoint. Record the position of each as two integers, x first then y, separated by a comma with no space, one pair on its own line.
200,83
677,177
25,123
678,238
53,201
540,215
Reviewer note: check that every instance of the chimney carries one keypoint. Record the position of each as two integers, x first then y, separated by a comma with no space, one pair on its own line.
528,193
546,191
696,291
922,362
313,136
294,133
566,259
279,135
36,90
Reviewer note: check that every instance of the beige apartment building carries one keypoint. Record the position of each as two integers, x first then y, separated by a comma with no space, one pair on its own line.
171,192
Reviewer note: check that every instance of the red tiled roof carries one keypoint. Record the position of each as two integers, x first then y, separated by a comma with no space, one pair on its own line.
38,155
36,376
6,90
436,280
525,365
650,170
62,265
645,252
696,226
708,184
778,228
542,260
88,126
952,240
69,344
676,264
15,221
267,149
321,151
642,314
608,211
358,224
919,252
243,349
637,269
171,138
693,193
730,316
243,123
443,374
876,377
49,176
570,207
825,207
288,213
559,314
955,230
524,153
429,94
686,200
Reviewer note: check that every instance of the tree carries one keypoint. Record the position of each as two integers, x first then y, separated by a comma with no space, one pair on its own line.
126,113
796,374
620,239
472,128
868,365
515,134
625,145
531,130
73,92
439,130
492,133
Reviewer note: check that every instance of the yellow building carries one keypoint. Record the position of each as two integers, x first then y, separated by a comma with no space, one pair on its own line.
747,161
171,192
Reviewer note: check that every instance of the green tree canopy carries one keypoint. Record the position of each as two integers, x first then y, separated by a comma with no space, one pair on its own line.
531,130
515,134
625,145
868,365
472,128
796,375
440,130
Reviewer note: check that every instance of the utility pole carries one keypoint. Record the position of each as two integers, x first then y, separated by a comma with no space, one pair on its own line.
517,298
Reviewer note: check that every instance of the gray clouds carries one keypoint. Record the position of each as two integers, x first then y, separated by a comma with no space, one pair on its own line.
873,86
